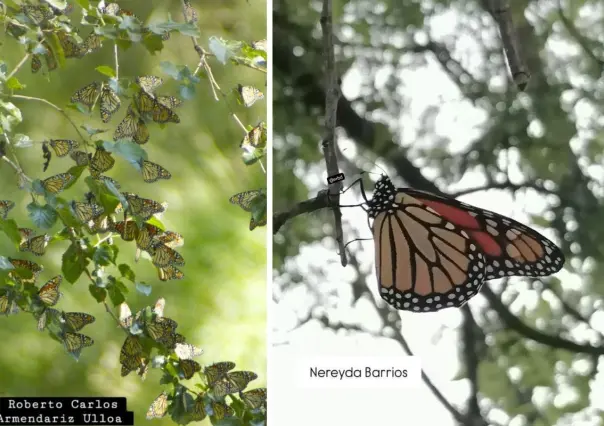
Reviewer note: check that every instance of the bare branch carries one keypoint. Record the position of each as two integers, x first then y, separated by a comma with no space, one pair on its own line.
321,201
500,9
332,94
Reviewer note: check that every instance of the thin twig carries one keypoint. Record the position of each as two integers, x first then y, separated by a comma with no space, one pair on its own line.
332,95
62,111
321,201
18,66
117,64
501,12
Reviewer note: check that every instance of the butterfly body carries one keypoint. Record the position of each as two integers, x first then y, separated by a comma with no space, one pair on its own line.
434,252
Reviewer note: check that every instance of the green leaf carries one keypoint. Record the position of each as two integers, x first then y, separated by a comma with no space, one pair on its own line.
59,4
106,70
127,272
116,295
220,49
171,69
228,421
84,3
42,216
105,254
14,84
186,91
98,293
130,151
153,43
22,141
143,288
74,263
5,263
156,222
10,228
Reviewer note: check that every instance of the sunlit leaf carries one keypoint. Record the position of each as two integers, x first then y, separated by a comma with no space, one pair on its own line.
43,217
106,70
74,263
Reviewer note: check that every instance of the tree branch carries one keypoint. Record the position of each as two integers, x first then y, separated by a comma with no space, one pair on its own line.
500,10
332,94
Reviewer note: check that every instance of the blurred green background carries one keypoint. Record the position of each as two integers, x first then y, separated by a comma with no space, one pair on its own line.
221,304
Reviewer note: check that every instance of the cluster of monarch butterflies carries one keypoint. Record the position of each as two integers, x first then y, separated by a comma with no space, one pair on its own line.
249,95
43,16
434,252
221,382
65,325
253,201
160,244
152,324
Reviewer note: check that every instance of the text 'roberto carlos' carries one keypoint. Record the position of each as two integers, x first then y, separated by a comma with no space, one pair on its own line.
76,404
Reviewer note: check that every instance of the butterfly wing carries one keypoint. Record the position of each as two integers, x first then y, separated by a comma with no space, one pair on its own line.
49,293
86,95
152,172
110,103
423,261
159,407
510,248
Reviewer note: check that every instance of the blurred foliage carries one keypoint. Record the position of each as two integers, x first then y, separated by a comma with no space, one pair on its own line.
545,142
123,194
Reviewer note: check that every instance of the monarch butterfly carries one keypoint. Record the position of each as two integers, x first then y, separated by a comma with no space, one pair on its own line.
169,101
249,95
76,320
159,407
199,409
143,207
36,245
190,13
132,127
256,138
87,95
161,329
128,230
170,272
244,199
106,180
75,342
57,183
49,293
37,14
101,162
131,348
46,155
254,398
163,114
86,212
136,362
80,157
145,236
8,306
26,234
434,252
152,172
125,317
217,371
110,103
188,368
171,239
36,63
259,45
22,264
256,223
164,256
112,9
42,319
62,147
70,48
173,340
186,350
149,83
221,410
90,44
5,207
